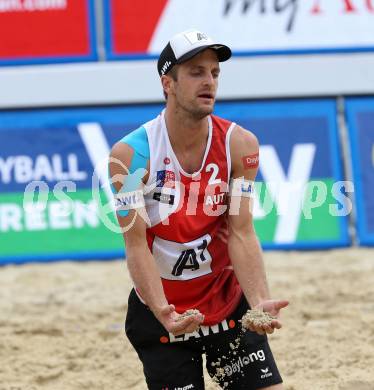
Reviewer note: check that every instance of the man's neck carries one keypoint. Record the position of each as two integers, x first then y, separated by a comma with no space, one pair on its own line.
185,132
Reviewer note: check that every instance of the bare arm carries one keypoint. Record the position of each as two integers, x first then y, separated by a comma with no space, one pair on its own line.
141,264
244,249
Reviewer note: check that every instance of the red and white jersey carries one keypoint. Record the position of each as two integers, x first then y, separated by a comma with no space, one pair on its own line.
188,222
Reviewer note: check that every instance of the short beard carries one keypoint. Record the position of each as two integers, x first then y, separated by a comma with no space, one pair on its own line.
198,113
201,114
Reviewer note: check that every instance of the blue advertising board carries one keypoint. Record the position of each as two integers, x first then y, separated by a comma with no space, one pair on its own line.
58,150
360,115
48,149
299,146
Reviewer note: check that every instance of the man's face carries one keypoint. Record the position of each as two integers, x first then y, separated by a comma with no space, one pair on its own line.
195,87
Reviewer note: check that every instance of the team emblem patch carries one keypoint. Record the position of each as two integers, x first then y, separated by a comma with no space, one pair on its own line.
166,179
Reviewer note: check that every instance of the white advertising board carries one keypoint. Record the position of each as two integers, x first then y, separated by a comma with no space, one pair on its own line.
272,26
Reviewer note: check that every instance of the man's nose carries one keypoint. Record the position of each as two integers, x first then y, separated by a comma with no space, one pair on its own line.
209,79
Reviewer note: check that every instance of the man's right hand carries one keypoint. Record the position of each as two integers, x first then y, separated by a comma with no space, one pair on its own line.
172,322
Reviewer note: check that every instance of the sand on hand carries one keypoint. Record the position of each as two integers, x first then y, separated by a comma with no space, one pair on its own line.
256,317
187,313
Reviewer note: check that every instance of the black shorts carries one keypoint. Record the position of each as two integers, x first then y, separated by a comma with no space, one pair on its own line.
235,359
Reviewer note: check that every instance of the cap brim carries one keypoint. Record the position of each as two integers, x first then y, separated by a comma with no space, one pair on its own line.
223,52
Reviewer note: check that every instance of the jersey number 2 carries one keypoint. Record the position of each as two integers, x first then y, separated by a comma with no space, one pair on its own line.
214,169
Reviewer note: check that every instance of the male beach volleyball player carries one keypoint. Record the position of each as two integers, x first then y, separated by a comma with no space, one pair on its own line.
190,241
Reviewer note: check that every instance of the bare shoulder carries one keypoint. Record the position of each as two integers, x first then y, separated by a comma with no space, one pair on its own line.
121,153
243,143
243,140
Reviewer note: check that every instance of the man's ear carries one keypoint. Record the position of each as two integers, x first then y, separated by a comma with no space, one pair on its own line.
166,82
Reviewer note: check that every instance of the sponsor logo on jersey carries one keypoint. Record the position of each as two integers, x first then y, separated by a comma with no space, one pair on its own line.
203,331
164,198
166,178
183,260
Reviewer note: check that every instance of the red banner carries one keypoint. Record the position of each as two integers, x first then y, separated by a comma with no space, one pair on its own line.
133,24
33,30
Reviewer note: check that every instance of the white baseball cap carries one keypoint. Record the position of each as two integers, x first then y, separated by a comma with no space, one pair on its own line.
185,45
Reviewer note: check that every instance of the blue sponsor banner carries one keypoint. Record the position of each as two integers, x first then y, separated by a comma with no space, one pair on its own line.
48,144
360,113
54,147
289,133
298,142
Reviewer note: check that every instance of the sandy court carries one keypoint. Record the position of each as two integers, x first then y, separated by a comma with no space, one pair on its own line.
61,324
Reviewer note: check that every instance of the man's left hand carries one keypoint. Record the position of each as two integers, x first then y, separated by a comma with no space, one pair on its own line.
273,307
